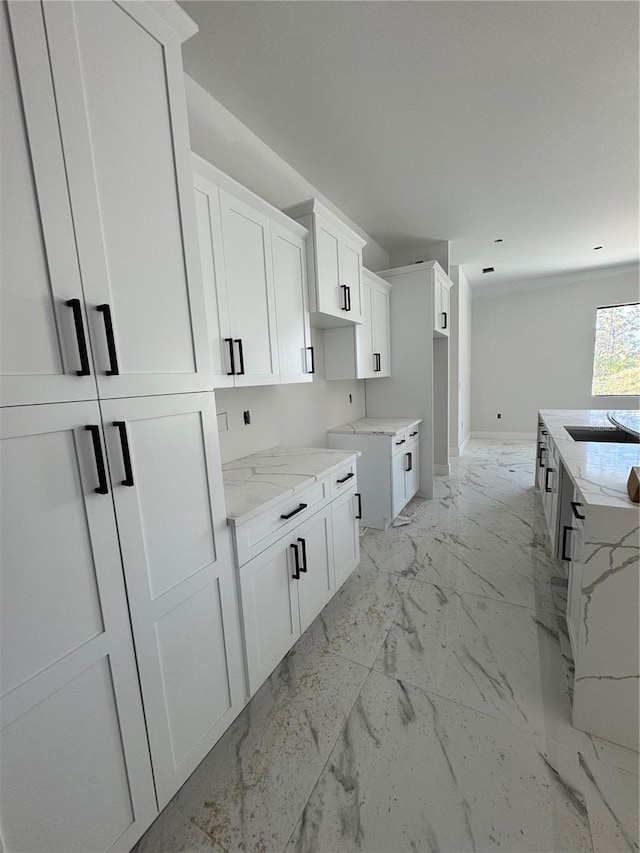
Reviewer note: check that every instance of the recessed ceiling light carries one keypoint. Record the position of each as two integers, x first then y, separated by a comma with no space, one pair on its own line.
488,269
595,248
499,240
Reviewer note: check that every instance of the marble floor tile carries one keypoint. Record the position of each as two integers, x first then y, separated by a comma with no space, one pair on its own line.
250,790
400,550
414,772
612,799
172,832
497,658
460,560
618,756
356,621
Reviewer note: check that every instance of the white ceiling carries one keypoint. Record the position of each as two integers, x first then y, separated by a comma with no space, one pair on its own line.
460,121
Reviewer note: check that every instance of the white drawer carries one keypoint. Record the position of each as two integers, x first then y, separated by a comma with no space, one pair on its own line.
399,441
251,538
343,479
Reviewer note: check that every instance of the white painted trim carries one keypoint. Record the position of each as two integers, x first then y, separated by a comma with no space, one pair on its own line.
464,443
508,436
180,22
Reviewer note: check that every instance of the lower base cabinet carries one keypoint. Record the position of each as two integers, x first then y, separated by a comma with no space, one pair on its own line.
345,513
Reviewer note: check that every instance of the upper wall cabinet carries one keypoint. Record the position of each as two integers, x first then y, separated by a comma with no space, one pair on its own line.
120,128
254,270
441,302
362,352
334,266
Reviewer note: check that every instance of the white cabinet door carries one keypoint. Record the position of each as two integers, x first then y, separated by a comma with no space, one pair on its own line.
213,280
366,361
346,538
75,762
437,304
351,277
292,309
43,342
412,470
398,486
381,340
315,548
249,279
329,295
167,489
119,87
270,615
446,309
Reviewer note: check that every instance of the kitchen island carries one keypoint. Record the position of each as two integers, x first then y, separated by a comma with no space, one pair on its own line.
594,531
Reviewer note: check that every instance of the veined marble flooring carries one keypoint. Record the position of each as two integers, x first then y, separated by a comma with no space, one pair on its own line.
428,706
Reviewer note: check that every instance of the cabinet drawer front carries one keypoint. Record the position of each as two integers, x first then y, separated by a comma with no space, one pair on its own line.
343,479
253,537
399,442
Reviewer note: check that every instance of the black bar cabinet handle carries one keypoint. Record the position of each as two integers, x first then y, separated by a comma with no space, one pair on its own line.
411,434
75,306
574,507
401,442
544,432
377,362
303,544
542,450
296,574
546,479
313,360
103,488
409,461
359,513
565,531
126,454
343,287
105,310
349,298
232,357
241,354
346,477
444,321
294,512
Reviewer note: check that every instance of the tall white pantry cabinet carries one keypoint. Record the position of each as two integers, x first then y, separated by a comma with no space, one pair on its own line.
115,567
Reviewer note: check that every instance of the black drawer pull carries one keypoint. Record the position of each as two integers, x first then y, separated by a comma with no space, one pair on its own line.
241,354
444,319
400,442
74,304
313,361
105,310
565,556
303,544
574,507
348,298
359,513
377,362
411,434
296,574
544,432
232,357
346,477
344,306
126,454
409,461
546,479
542,450
294,512
103,488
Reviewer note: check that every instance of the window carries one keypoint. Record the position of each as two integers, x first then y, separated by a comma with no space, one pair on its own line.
616,361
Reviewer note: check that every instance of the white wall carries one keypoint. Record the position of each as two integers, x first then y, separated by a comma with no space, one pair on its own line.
532,347
280,414
460,361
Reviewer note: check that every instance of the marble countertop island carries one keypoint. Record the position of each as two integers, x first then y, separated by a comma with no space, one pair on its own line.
599,469
376,426
253,483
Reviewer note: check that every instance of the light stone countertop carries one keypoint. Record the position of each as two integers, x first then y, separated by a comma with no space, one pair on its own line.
255,482
376,426
599,469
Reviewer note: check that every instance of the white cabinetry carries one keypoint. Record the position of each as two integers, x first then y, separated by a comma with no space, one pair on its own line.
291,558
362,352
389,467
441,302
253,262
334,265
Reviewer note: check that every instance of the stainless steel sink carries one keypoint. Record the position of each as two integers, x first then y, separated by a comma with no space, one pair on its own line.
595,433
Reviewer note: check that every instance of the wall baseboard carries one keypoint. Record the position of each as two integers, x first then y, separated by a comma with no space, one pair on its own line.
507,436
441,469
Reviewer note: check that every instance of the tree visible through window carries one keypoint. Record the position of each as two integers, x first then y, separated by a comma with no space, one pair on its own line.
616,362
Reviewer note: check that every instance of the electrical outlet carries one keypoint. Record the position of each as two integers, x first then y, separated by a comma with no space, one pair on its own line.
499,415
247,417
